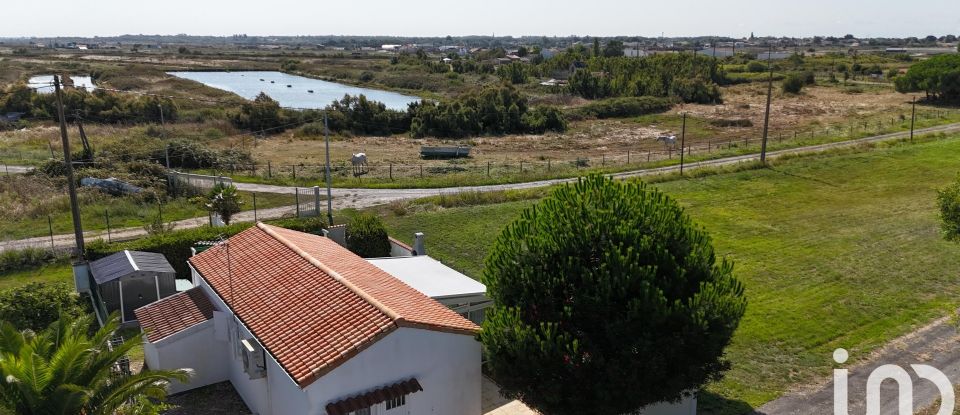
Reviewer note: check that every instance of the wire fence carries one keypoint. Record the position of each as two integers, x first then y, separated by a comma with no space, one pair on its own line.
114,221
188,184
545,166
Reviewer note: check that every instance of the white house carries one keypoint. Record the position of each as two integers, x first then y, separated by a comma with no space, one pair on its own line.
300,325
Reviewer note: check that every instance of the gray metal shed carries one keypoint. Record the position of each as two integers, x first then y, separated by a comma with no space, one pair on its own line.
128,280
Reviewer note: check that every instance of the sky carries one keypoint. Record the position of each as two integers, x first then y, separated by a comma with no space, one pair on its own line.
737,18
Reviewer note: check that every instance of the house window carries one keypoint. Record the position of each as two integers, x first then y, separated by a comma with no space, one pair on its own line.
396,402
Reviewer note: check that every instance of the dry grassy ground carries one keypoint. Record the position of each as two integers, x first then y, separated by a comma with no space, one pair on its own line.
813,110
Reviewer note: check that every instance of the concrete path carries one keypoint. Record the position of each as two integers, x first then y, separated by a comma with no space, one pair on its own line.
937,345
493,403
361,198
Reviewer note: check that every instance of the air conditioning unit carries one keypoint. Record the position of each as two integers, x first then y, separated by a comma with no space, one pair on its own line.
254,359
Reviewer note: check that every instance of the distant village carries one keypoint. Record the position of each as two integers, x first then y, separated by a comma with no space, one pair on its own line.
466,46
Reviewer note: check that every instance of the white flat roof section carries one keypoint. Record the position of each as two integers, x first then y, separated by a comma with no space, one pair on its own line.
430,276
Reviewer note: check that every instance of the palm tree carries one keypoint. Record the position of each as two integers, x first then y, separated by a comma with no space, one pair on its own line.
64,370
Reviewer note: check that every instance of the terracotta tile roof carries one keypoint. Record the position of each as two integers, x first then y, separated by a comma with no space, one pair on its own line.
312,303
366,400
175,313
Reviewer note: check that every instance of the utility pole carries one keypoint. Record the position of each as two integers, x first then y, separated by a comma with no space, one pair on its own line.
913,117
68,163
766,115
163,125
683,140
326,134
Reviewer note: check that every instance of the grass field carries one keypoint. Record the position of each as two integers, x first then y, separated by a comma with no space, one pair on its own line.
834,250
60,271
123,213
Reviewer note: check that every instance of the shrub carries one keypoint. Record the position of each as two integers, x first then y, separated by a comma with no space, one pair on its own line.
174,245
544,118
367,236
262,115
621,107
52,168
189,154
605,277
756,66
948,200
793,84
731,123
14,259
34,306
314,225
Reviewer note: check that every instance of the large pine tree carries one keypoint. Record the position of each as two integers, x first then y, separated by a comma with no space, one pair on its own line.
607,298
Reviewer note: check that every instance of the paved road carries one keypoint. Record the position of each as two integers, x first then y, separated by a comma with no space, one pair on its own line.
935,345
11,169
361,198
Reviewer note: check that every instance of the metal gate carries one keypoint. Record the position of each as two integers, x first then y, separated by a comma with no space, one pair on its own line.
186,184
308,201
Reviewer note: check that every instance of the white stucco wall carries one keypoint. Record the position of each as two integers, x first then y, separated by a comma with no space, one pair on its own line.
446,365
252,391
193,348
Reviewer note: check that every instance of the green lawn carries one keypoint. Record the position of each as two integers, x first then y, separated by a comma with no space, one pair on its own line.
834,250
56,272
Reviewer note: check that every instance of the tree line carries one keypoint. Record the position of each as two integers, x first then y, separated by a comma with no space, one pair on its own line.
99,105
938,77
493,109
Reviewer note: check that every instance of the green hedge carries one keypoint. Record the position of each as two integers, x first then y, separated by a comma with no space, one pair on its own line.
12,260
176,245
621,107
367,236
